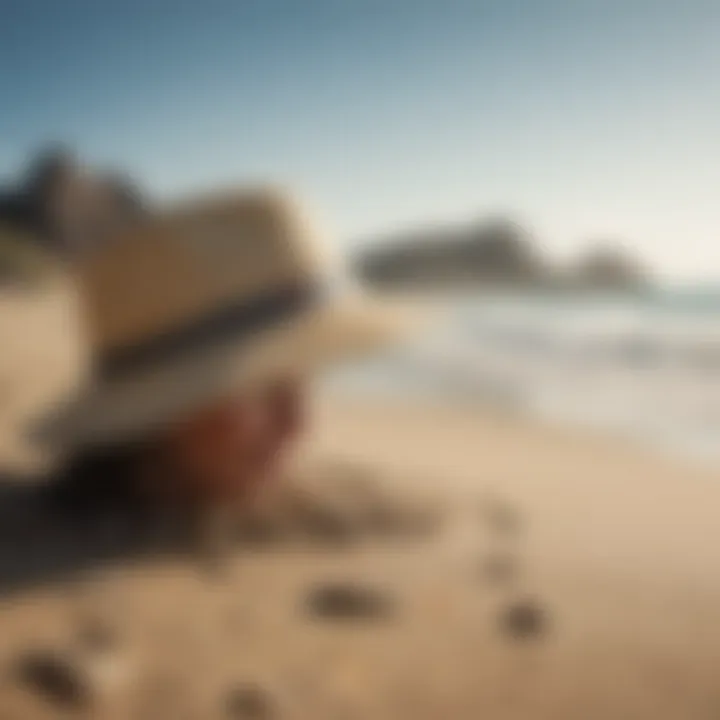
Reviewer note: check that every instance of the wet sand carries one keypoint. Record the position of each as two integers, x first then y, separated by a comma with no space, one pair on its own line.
554,576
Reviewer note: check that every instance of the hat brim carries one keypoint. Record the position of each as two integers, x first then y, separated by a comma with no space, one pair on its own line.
320,337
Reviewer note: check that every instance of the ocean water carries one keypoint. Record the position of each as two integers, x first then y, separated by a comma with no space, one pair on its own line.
645,368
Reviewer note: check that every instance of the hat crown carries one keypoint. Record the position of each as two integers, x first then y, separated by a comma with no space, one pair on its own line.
185,264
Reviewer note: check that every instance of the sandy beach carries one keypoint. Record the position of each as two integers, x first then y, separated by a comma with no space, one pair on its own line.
564,576
462,254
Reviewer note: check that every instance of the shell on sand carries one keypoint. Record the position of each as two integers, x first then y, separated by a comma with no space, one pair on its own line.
349,601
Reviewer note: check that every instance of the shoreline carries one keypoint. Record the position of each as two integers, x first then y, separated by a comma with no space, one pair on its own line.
612,439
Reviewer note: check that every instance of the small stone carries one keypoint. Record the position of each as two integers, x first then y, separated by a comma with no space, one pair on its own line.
55,676
348,601
90,670
249,702
524,619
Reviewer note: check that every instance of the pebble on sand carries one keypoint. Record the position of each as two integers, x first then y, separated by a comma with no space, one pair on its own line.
91,669
524,619
249,701
349,601
56,676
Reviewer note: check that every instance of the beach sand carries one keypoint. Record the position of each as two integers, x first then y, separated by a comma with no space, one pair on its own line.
560,576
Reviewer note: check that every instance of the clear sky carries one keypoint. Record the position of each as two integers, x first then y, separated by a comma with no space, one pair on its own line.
583,119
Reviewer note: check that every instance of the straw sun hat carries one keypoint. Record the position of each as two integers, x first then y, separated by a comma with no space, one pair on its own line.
214,298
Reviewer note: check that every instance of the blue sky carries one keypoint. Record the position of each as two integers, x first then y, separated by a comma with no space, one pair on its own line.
583,119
